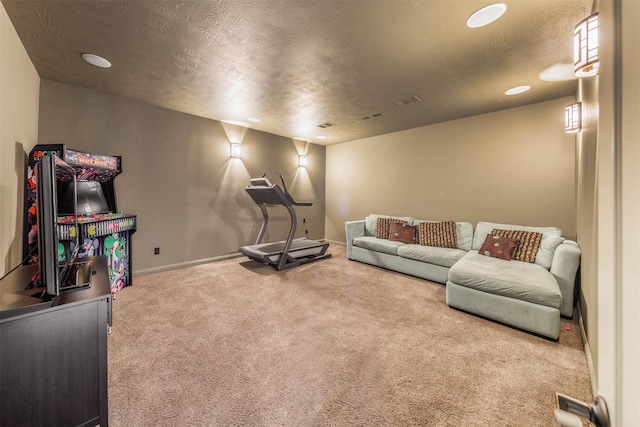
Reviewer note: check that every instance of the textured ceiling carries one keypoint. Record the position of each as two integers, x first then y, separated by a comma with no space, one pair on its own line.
297,64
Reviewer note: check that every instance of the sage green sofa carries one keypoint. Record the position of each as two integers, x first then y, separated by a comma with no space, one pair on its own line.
426,262
529,296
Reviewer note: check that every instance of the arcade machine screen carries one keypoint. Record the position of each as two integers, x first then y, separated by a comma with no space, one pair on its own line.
91,199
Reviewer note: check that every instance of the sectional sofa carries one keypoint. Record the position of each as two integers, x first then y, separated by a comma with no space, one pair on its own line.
530,292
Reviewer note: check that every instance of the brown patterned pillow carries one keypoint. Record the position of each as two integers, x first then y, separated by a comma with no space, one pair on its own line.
402,233
529,243
440,234
383,226
498,247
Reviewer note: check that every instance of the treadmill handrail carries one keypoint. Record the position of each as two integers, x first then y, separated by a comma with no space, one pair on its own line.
286,192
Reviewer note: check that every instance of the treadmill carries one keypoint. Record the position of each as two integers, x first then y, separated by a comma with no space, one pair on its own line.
288,253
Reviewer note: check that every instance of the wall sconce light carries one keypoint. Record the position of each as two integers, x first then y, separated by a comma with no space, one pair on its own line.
586,59
303,162
236,151
573,118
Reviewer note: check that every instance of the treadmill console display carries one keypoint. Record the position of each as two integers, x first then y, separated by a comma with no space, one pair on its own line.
260,182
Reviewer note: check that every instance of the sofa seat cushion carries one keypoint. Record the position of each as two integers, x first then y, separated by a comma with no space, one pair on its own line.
445,257
378,245
514,279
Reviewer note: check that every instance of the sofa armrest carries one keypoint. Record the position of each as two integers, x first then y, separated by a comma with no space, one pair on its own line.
353,229
564,267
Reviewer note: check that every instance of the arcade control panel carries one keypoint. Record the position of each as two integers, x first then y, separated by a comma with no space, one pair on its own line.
98,224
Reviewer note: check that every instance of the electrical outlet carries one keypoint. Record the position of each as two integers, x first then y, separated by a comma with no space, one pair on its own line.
304,220
156,251
306,231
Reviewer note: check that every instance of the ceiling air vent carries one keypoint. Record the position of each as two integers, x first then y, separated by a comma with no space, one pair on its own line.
408,101
325,125
373,115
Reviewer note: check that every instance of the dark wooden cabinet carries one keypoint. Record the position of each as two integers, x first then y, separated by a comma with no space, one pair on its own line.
53,354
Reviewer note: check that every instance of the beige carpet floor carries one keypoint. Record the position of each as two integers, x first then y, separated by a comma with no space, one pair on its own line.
331,343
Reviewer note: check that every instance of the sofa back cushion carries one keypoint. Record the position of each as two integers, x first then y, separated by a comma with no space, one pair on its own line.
551,239
464,233
371,222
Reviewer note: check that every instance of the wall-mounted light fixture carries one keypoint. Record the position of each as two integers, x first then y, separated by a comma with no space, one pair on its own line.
236,151
303,161
586,59
573,118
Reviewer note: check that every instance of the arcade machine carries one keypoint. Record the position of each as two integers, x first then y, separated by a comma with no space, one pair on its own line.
103,230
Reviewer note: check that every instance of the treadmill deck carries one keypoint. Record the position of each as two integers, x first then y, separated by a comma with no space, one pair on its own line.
302,247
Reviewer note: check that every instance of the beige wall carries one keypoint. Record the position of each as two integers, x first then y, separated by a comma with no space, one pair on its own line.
19,88
618,225
587,215
177,175
512,166
629,230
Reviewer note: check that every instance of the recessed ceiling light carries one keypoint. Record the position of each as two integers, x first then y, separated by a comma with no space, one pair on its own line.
254,119
96,60
321,137
517,90
486,15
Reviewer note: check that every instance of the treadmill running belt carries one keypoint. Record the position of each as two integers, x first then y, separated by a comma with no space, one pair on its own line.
277,247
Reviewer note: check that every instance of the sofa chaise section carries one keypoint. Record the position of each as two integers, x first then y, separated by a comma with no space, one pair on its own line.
529,296
524,295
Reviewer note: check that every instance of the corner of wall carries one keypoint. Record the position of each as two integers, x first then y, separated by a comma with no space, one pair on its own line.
20,88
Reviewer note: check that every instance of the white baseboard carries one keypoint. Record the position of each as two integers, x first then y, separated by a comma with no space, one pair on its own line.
335,242
179,265
587,352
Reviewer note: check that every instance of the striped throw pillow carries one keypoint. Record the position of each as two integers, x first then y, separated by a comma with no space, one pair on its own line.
383,226
529,243
440,234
